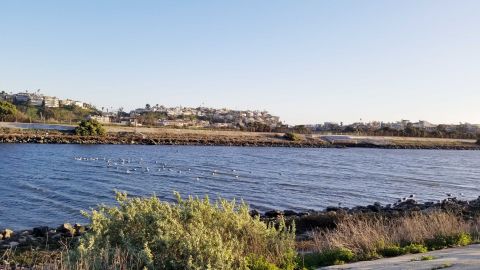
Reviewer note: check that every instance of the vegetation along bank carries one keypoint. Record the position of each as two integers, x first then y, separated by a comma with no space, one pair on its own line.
196,233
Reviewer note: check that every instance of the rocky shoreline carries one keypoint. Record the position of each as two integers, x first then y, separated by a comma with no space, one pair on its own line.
54,238
213,141
329,217
41,237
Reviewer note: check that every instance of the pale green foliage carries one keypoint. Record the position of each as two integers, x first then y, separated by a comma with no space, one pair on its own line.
7,110
190,234
90,127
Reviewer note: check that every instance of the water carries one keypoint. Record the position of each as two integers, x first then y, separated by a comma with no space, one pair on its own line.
48,185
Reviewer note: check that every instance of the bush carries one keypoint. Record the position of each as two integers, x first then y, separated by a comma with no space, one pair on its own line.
415,248
292,136
260,263
90,127
396,250
444,241
188,234
8,111
392,251
327,257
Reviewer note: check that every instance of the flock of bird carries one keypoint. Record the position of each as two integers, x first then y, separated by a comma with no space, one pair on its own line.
130,166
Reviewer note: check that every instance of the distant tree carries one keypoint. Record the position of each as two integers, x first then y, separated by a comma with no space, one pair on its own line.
292,136
350,129
7,110
147,106
90,127
302,129
149,118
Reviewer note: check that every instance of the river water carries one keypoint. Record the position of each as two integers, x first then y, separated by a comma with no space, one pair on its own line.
50,184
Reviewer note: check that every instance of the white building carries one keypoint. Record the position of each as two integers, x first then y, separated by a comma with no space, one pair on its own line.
51,102
100,119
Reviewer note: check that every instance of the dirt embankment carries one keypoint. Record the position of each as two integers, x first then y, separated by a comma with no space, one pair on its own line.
164,136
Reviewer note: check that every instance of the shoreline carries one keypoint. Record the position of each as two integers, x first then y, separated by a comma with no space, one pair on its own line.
305,221
225,139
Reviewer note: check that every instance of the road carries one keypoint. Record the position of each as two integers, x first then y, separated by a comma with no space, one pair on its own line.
454,258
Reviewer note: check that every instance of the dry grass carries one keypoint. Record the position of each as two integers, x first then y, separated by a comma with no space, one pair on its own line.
367,236
60,260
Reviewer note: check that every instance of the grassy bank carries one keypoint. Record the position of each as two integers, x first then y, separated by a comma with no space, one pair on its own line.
360,238
196,233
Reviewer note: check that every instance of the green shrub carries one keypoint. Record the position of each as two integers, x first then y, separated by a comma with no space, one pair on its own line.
415,248
7,110
427,258
463,239
292,136
441,241
188,234
392,251
328,257
396,250
90,127
260,263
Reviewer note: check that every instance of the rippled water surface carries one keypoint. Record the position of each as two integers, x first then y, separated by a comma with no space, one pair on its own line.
48,184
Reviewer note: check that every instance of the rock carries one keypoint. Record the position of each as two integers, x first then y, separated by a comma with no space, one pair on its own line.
79,229
57,236
13,244
273,214
66,229
22,240
7,233
376,207
332,209
254,213
1,237
31,238
289,213
40,231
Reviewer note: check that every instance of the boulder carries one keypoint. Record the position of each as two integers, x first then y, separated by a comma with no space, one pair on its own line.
40,231
79,229
289,213
7,233
273,214
57,236
332,209
254,213
66,229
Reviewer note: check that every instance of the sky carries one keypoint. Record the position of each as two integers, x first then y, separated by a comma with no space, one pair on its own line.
305,61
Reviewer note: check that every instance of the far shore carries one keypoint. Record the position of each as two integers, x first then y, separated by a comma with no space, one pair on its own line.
49,134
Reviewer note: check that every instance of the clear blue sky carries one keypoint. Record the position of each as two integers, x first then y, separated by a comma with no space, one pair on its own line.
306,61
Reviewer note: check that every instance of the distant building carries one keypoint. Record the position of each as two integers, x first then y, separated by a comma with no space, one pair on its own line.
35,100
100,119
6,97
66,102
51,102
70,102
21,98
